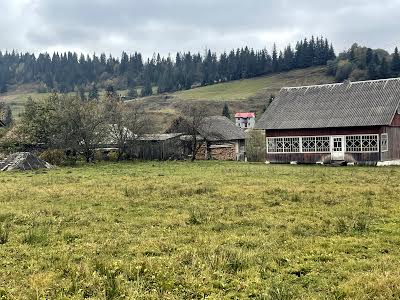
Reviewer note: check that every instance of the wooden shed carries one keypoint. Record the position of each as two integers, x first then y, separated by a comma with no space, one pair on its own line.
351,122
223,140
162,146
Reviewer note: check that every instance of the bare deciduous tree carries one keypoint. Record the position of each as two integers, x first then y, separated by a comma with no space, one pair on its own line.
193,116
126,123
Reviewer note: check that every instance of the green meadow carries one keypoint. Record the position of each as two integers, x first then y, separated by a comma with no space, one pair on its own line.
202,230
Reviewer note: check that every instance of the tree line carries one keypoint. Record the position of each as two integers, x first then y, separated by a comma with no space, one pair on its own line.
66,72
363,63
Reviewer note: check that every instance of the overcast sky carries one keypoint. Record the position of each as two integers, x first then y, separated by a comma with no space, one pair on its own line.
168,26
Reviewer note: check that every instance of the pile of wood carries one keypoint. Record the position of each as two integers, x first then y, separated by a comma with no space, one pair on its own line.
23,161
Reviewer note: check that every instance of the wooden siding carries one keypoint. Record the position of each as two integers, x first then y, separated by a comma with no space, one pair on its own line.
393,152
396,120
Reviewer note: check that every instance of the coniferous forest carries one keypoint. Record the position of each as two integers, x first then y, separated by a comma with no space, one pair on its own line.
66,72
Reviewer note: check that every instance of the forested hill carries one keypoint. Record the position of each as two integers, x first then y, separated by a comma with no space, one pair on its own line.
65,72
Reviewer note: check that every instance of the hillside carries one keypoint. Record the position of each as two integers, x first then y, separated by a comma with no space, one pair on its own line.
241,95
246,94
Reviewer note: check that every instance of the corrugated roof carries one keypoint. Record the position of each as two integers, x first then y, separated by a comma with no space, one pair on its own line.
219,128
158,136
349,104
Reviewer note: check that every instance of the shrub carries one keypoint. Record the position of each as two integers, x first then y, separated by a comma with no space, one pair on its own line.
58,157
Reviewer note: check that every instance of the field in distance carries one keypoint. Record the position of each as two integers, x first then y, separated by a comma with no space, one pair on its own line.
216,230
247,94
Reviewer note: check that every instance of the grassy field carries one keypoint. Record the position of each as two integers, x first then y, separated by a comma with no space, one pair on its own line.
180,230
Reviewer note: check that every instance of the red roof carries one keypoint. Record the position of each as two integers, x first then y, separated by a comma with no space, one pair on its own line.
245,115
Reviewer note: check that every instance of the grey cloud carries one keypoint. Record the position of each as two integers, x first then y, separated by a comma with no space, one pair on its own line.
168,26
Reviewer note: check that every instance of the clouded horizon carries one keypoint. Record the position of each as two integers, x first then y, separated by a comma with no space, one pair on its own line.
169,26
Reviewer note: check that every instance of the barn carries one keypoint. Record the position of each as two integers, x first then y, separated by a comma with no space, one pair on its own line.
357,122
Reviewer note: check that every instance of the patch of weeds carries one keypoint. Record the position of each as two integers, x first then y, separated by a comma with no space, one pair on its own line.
280,291
331,201
230,260
4,233
3,294
36,235
197,217
112,287
200,190
295,197
70,237
341,225
220,227
361,223
6,217
131,192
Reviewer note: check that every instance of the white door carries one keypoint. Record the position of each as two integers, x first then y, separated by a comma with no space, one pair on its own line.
337,148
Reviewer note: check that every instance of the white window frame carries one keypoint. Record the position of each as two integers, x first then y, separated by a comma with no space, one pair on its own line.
363,135
384,146
322,136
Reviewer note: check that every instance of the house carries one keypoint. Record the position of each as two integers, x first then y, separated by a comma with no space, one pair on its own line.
222,139
245,120
355,122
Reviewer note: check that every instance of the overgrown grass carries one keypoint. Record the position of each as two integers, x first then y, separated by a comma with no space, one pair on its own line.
215,230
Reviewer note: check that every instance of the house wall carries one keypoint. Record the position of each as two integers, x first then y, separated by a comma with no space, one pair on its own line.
324,157
396,120
393,132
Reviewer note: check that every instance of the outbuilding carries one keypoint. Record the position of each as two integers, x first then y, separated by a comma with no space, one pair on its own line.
357,122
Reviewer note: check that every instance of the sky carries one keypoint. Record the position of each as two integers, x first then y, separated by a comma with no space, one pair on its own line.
168,26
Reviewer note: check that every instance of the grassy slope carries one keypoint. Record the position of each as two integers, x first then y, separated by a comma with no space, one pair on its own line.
247,88
166,231
241,95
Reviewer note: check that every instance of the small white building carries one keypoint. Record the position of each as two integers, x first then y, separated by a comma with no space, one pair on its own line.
245,120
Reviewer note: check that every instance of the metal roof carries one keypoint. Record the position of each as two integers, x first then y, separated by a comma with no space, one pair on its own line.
219,128
348,104
158,136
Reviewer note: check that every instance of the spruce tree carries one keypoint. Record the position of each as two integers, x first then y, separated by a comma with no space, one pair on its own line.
147,89
93,93
395,66
226,112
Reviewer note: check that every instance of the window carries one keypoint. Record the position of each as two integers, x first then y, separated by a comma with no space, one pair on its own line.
362,143
316,144
283,145
384,142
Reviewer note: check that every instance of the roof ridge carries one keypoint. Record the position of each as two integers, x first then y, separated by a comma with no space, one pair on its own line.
340,83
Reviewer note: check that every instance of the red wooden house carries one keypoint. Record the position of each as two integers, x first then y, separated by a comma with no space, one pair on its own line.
353,122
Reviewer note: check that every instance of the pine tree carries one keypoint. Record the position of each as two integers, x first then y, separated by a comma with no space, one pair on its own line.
94,93
395,66
275,63
147,89
226,112
384,71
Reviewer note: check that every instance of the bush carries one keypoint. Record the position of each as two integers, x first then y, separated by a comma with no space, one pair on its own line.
255,146
59,157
